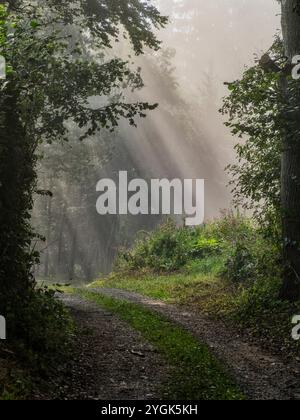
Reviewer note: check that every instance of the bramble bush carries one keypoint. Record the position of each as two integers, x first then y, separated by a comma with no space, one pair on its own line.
166,249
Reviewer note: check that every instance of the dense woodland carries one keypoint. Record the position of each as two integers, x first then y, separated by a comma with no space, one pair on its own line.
94,87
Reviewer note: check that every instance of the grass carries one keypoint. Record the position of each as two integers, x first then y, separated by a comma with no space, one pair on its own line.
197,375
197,285
163,287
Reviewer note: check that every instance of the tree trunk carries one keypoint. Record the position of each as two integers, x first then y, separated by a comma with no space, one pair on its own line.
73,256
59,269
290,181
48,232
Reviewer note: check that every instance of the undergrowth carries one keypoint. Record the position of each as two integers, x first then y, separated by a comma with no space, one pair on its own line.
41,339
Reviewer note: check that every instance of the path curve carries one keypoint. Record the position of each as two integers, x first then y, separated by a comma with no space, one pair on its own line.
262,376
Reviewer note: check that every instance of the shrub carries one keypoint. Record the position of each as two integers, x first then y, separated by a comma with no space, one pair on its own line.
165,249
231,228
259,310
43,329
240,264
249,253
205,247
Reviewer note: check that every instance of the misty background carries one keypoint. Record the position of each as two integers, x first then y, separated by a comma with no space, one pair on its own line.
204,45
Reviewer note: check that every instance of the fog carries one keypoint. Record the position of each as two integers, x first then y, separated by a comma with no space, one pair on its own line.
204,45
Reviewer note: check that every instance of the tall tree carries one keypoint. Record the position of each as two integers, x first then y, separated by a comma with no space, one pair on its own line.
265,105
290,179
49,83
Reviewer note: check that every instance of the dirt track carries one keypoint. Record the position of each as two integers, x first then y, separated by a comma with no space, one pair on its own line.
113,362
262,376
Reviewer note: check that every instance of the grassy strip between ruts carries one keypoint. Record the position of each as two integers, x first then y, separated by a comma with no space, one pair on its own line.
197,375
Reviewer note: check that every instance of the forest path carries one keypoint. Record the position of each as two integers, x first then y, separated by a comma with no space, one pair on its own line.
107,362
262,376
